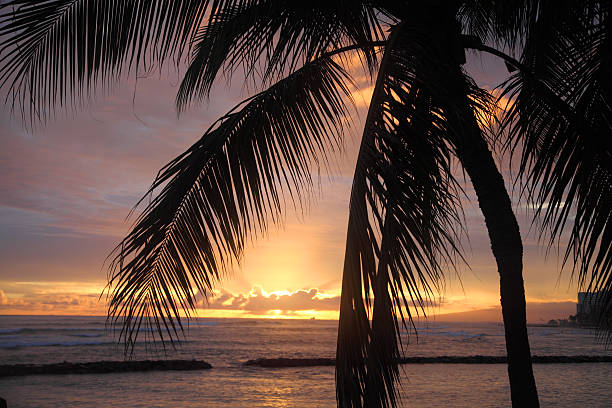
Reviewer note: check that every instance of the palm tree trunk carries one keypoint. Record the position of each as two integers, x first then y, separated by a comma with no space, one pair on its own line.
495,204
507,248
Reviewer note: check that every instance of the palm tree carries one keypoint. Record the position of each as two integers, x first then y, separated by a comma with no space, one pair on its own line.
405,216
560,124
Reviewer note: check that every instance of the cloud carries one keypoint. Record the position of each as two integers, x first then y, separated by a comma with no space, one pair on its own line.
80,174
362,96
52,303
259,301
63,298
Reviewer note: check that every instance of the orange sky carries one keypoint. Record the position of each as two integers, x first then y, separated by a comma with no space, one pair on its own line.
66,188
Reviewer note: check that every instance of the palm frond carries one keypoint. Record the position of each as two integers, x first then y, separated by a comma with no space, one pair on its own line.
53,52
502,22
224,189
270,37
561,122
404,214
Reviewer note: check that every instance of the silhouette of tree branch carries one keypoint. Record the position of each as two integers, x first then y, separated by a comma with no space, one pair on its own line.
513,64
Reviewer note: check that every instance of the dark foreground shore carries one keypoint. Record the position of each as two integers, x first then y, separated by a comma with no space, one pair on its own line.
99,367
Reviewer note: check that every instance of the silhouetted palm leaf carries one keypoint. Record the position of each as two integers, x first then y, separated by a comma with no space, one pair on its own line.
55,51
501,22
225,188
404,212
561,120
269,37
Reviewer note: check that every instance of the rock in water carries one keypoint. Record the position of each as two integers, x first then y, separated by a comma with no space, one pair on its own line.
98,367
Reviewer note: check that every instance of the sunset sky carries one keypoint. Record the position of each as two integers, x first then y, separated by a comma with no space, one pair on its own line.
67,187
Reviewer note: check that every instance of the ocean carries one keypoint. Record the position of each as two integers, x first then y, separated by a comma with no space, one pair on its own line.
228,343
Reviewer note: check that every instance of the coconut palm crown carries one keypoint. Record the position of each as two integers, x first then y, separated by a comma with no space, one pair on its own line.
425,113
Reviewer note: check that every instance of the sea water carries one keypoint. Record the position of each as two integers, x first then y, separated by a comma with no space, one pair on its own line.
228,343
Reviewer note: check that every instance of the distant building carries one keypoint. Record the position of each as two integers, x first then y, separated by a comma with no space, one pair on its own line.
589,307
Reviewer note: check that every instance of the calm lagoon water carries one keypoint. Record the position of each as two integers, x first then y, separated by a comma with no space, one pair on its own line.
227,343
